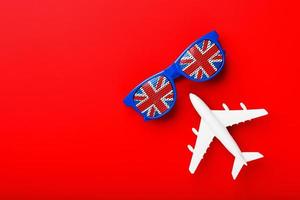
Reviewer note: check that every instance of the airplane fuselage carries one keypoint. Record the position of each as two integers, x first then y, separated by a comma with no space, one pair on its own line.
219,130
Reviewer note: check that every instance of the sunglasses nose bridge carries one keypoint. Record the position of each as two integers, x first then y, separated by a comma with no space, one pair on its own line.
172,71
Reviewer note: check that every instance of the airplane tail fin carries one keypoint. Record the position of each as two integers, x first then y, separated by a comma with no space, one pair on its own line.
238,163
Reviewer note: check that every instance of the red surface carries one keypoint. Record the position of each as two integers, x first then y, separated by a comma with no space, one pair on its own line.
66,67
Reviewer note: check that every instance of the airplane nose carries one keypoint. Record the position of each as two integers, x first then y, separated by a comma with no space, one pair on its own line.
196,102
193,99
192,96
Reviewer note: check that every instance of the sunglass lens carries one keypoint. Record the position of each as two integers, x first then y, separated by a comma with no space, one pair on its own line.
202,60
155,97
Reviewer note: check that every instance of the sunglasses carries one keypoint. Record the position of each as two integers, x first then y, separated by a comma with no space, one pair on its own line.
156,96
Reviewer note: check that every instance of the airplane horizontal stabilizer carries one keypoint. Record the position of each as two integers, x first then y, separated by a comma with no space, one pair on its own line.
237,166
238,163
249,156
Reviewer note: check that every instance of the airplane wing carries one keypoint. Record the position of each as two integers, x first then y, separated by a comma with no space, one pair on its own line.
231,117
204,138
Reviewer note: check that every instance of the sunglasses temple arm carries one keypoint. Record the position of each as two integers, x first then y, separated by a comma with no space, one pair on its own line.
172,71
213,34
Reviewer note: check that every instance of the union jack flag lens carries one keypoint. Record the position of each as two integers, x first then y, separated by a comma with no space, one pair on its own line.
201,61
155,97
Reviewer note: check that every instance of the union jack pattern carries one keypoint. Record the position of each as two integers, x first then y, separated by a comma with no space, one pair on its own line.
202,60
154,97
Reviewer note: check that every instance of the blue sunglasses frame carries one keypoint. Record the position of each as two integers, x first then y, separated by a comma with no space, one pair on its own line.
174,71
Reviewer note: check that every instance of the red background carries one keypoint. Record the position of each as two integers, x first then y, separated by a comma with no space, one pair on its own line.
65,67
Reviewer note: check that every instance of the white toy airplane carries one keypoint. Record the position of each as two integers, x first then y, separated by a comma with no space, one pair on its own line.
213,124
